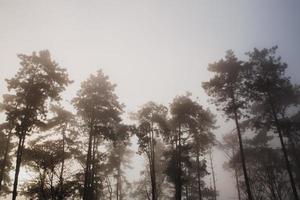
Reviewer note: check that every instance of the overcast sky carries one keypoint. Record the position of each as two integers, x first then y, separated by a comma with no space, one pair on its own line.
153,50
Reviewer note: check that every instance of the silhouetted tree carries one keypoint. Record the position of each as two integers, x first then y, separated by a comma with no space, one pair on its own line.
64,125
39,79
267,85
152,121
98,106
226,89
142,188
189,136
5,162
230,147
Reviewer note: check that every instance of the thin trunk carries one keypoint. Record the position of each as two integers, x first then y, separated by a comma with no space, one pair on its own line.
118,185
109,188
18,164
93,166
270,182
237,184
147,193
243,157
86,191
4,163
178,185
296,159
42,185
51,185
241,149
61,177
152,165
213,175
198,176
283,148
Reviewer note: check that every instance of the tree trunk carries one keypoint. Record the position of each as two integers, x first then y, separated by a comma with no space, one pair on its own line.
4,163
296,159
283,148
51,185
152,165
198,176
118,185
86,191
178,185
109,188
61,176
18,164
241,149
213,174
93,168
237,184
243,156
42,194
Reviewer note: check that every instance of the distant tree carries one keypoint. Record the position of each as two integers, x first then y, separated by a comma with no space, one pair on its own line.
118,160
43,159
152,122
226,89
188,137
64,126
266,169
291,129
39,79
142,188
203,140
268,86
99,109
214,193
5,162
230,147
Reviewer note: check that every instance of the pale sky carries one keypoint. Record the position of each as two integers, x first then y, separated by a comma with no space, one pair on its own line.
153,50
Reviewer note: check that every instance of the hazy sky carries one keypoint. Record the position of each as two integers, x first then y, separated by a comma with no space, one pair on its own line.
153,50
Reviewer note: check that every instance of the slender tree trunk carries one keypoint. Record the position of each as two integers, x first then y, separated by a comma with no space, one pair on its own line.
87,177
296,159
283,148
243,156
271,182
51,185
178,185
109,188
237,184
213,174
118,185
152,164
198,176
119,182
61,176
93,166
147,193
42,194
4,163
241,148
18,164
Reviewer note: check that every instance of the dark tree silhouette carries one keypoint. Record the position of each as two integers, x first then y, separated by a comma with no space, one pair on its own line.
5,162
39,79
267,85
189,136
152,121
98,106
226,90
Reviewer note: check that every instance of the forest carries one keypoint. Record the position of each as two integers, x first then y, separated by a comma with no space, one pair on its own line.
82,150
